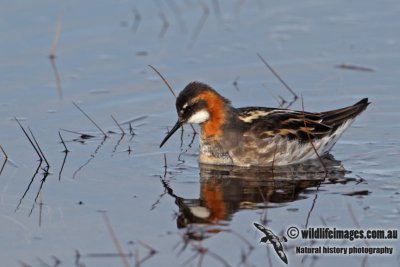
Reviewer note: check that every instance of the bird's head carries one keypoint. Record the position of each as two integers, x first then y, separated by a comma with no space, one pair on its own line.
198,103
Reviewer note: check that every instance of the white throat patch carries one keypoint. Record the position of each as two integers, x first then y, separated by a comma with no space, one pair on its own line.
199,117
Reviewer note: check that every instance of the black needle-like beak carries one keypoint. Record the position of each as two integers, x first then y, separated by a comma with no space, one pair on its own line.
177,125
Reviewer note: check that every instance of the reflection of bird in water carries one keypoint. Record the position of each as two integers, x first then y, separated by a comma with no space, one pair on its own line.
224,190
274,240
258,136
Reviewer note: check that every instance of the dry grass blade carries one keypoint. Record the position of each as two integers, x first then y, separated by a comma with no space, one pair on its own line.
87,116
115,241
63,142
116,122
40,150
83,135
30,140
5,160
277,76
309,139
66,151
133,120
4,152
169,87
164,80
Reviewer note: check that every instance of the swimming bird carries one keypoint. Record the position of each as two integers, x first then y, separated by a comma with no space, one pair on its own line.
258,136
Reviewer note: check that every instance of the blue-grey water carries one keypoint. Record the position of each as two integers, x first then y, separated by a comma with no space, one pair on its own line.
102,59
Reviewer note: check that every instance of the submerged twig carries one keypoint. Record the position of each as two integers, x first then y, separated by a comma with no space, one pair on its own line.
87,116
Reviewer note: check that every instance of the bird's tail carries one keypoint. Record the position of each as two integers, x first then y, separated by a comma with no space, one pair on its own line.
336,118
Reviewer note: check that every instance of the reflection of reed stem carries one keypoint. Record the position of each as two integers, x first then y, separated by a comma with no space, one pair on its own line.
115,240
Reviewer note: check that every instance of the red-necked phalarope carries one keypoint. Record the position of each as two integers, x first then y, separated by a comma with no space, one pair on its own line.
258,136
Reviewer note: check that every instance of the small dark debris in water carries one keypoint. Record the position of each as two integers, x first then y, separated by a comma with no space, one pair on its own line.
129,150
105,91
354,67
235,83
80,203
86,136
135,196
142,53
367,208
293,209
357,193
130,242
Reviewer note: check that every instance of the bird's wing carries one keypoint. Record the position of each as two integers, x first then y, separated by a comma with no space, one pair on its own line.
269,122
266,123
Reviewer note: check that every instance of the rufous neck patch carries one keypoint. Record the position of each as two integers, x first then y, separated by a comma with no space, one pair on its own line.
215,106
